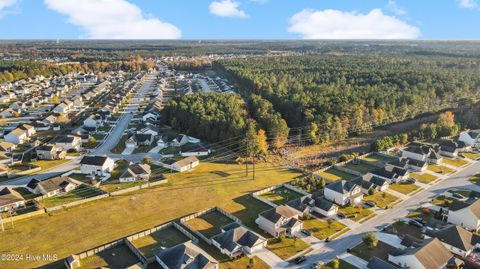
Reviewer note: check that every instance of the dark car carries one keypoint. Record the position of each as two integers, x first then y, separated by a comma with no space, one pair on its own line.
415,223
411,180
299,260
458,196
370,204
419,220
306,232
341,215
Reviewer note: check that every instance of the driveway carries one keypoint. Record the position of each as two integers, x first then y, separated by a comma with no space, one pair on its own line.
271,259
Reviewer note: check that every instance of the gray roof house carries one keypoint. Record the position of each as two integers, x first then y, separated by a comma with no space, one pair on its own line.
236,240
185,256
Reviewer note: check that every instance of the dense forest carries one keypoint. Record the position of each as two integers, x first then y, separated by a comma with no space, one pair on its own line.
337,95
209,116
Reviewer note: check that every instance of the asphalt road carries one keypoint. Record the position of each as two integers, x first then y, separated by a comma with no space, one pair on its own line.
328,251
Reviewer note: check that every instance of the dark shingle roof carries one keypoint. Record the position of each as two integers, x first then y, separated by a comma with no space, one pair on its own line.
454,236
377,263
93,160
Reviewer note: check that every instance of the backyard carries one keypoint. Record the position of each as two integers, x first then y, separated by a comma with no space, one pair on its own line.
281,196
377,158
360,167
333,174
455,162
164,238
81,192
209,224
117,257
322,229
212,184
423,177
380,251
381,199
285,247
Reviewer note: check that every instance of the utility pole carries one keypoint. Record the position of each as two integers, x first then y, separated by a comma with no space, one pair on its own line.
11,219
1,223
246,160
253,167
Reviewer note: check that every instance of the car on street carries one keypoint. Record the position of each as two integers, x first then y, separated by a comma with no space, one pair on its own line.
299,259
411,180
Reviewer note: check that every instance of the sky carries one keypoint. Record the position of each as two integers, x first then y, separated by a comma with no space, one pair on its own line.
239,19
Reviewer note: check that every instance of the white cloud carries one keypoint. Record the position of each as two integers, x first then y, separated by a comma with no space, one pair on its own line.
5,6
392,5
227,8
468,3
113,19
336,24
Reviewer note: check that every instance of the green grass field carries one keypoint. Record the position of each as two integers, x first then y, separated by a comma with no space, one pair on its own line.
285,247
440,169
374,158
209,224
333,174
79,193
245,263
281,196
423,177
355,213
455,162
165,238
92,224
360,167
475,179
322,229
404,188
381,199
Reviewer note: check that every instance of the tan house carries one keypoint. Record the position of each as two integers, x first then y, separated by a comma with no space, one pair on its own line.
50,152
431,255
136,172
282,220
465,214
10,199
54,186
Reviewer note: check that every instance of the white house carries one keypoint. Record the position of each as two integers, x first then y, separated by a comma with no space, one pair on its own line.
181,165
430,255
68,142
93,121
282,220
422,153
465,214
136,172
344,192
456,239
470,138
236,240
96,165
16,136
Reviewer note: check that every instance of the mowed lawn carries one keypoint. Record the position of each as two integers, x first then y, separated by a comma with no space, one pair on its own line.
423,177
455,162
245,263
89,225
381,199
285,247
440,169
79,193
375,158
404,188
355,213
360,167
281,195
165,238
322,229
333,174
209,224
471,155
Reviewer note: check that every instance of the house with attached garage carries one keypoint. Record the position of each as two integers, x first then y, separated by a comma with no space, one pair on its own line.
465,213
470,138
456,239
93,121
180,165
372,182
69,142
344,192
185,256
389,175
7,147
135,172
236,240
16,136
406,163
450,148
324,207
422,153
179,140
53,186
431,254
10,199
282,220
96,165
50,152
61,108
303,204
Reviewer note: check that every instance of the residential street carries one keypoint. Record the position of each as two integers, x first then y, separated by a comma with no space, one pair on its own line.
328,251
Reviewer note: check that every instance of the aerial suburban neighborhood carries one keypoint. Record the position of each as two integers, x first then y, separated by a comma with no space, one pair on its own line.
345,137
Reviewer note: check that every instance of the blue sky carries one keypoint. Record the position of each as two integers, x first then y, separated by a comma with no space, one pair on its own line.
240,19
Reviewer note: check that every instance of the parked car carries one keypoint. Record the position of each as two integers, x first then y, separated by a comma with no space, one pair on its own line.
370,204
299,259
341,215
415,223
306,232
458,196
411,180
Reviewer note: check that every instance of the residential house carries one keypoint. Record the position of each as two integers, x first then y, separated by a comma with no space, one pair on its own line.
236,240
325,207
96,165
180,165
9,113
10,199
50,120
62,108
185,256
190,149
93,121
377,263
344,192
422,153
150,116
303,204
431,255
149,129
69,142
7,146
28,128
389,175
456,239
136,172
16,136
54,186
282,220
143,139
374,182
449,148
470,138
465,214
179,140
50,152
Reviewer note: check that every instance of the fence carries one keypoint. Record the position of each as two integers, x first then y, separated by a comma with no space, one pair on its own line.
75,203
25,172
257,194
136,188
24,216
184,220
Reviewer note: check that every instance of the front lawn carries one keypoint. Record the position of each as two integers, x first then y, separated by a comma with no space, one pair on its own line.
281,195
424,177
245,263
404,188
48,164
81,192
333,174
355,213
342,265
440,169
381,199
322,229
471,155
455,162
475,179
442,201
285,247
